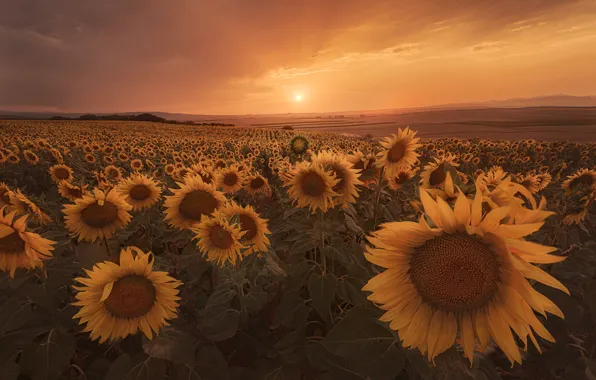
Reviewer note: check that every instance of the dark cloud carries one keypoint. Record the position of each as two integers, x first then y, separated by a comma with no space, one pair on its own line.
155,54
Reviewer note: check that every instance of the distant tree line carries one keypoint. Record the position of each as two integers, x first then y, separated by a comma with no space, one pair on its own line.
139,117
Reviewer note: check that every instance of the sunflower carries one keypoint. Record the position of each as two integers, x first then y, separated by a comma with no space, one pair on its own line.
61,173
140,191
70,191
219,240
90,158
493,177
397,178
257,184
311,186
112,173
400,150
191,201
583,177
299,144
13,158
251,224
97,215
230,179
30,157
530,181
19,248
435,174
24,206
346,175
136,164
118,300
464,276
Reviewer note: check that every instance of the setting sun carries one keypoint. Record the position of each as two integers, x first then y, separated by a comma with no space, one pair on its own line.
298,98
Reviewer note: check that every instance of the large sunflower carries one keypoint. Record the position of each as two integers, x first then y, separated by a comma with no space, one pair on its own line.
346,175
97,215
139,191
19,248
219,240
257,184
400,150
253,226
466,276
118,300
311,186
191,201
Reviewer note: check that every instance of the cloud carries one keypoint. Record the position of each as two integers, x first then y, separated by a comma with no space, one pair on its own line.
194,56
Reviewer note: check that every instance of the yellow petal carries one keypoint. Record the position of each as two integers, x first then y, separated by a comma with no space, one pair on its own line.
106,291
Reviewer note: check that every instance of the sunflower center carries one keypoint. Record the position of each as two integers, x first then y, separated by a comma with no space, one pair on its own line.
100,216
249,225
12,243
61,173
230,179
359,165
220,237
140,192
313,185
75,192
401,178
455,272
131,296
196,204
206,177
299,146
257,183
397,152
438,175
584,179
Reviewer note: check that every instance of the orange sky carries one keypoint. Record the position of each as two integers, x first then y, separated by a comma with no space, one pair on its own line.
234,56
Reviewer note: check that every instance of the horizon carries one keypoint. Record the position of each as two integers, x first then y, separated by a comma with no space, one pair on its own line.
233,59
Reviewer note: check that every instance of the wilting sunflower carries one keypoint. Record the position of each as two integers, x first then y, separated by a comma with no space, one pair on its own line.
19,248
70,191
582,177
256,184
400,150
230,179
118,300
61,173
5,193
139,191
346,175
97,215
311,186
254,227
24,206
191,201
219,240
299,144
465,276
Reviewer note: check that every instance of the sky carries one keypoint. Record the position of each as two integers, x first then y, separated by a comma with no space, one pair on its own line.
241,56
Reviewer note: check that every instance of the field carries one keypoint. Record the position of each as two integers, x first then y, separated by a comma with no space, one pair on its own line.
545,123
158,251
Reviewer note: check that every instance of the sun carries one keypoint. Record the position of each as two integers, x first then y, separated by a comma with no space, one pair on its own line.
298,98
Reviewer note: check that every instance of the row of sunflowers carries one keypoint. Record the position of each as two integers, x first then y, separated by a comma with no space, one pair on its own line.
150,251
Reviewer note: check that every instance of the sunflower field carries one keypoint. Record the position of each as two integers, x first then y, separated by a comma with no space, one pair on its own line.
157,251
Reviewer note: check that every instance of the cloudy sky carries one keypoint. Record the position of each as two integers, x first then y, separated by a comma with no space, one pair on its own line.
241,56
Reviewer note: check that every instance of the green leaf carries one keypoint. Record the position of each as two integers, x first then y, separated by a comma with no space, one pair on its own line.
319,357
120,368
291,311
173,345
590,369
150,369
349,293
48,359
322,292
210,364
221,296
219,323
89,254
352,225
9,370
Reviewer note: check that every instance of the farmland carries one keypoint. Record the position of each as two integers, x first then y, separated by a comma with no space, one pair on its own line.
136,250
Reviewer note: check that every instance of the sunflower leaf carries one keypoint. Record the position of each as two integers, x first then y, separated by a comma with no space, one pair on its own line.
322,292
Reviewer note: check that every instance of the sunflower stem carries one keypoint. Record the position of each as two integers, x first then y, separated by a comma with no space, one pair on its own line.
105,242
378,197
322,242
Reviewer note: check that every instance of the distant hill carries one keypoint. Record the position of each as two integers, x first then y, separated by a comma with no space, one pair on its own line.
558,100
